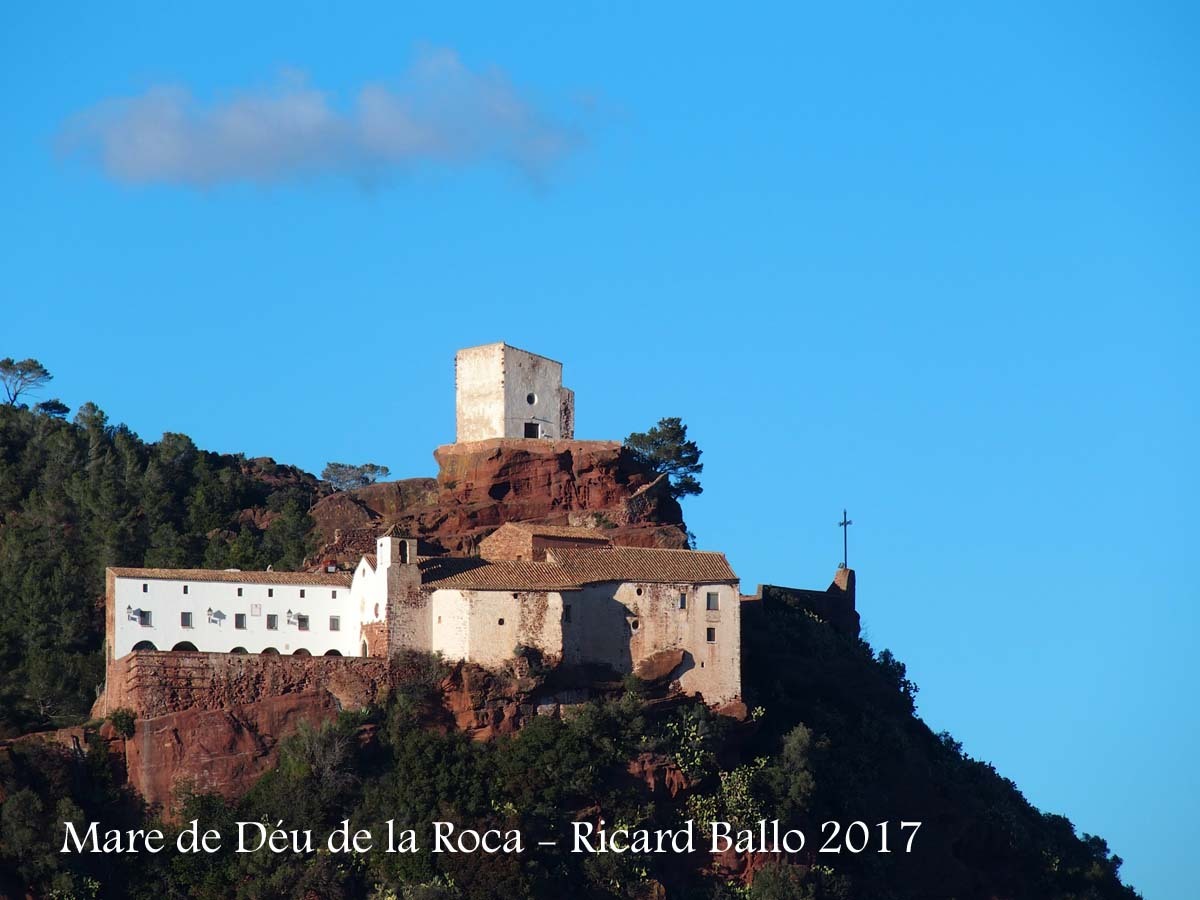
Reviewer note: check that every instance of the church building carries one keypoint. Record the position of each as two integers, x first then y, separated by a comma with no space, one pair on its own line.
565,592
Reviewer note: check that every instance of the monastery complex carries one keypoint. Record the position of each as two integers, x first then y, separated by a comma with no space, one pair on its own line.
566,593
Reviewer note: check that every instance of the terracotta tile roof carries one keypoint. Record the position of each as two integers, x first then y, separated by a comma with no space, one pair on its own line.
476,574
571,568
324,579
650,565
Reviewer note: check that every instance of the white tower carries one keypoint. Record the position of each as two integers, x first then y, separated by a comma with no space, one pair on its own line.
503,392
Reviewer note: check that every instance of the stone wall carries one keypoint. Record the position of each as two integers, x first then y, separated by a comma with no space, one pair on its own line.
835,604
625,625
156,683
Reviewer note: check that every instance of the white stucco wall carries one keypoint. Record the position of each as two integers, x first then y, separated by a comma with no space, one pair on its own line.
451,624
493,387
529,375
485,627
479,392
165,600
368,593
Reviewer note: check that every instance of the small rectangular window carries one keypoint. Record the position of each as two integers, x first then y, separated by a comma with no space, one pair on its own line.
272,622
239,621
335,623
302,623
185,620
711,635
301,593
682,600
144,617
239,592
185,587
714,600
566,612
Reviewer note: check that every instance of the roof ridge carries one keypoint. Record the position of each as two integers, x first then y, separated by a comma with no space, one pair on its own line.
652,549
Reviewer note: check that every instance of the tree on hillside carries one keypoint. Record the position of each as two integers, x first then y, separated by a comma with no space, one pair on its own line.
19,377
666,449
345,477
54,407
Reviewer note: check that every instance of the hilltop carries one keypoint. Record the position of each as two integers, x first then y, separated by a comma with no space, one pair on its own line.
832,734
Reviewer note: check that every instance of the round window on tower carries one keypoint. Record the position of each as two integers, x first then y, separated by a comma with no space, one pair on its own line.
531,399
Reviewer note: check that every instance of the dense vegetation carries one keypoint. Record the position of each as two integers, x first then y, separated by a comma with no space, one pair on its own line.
836,739
78,496
833,736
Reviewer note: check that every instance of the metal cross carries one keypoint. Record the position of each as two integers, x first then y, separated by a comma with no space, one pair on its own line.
845,526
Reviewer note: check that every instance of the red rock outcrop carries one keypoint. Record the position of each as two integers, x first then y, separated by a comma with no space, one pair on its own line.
660,665
483,484
222,751
662,777
486,704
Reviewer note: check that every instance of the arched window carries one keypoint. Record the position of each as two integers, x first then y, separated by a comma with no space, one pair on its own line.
301,652
270,651
238,650
144,645
332,653
185,646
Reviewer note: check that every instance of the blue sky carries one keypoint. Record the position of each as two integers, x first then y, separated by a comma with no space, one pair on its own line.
934,264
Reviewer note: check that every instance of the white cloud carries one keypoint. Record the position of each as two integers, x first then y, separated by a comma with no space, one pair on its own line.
440,112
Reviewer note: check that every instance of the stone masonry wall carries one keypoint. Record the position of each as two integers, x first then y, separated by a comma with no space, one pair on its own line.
153,683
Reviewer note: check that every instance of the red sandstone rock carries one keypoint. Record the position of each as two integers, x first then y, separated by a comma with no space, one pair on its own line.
659,666
483,484
735,709
223,751
487,704
659,774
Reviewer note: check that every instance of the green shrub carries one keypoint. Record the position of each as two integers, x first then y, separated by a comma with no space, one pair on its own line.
122,721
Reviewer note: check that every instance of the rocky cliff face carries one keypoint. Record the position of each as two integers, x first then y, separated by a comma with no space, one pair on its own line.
483,484
220,732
